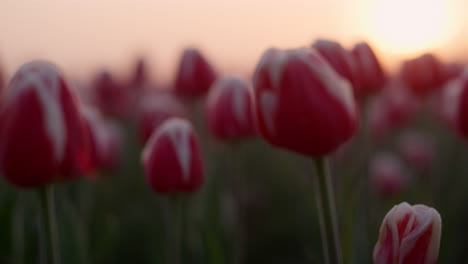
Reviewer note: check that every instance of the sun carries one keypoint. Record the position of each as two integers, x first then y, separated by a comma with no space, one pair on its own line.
407,27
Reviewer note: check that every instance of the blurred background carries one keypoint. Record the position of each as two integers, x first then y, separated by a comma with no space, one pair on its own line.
82,36
116,218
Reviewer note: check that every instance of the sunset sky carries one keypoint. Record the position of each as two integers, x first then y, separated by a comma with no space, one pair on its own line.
82,36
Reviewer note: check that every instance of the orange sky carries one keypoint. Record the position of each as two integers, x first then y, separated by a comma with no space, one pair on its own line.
84,35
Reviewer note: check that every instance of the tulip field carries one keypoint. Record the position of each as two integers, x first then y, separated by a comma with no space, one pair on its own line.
320,155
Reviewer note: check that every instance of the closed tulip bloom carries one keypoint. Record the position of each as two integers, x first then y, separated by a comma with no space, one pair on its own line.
391,109
417,149
172,159
371,76
229,109
409,235
456,104
301,103
195,75
111,97
42,137
387,174
154,109
105,140
339,58
424,74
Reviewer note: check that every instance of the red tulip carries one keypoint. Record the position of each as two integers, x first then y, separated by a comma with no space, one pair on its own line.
456,104
387,174
111,97
195,74
339,58
42,137
302,104
391,109
417,149
448,103
423,74
371,77
409,235
172,159
140,76
105,140
154,109
229,109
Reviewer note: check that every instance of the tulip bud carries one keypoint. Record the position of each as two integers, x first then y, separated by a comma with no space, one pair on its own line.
105,140
423,74
154,109
409,235
172,159
42,137
417,149
387,174
301,103
370,74
195,75
111,97
456,103
339,58
391,109
229,109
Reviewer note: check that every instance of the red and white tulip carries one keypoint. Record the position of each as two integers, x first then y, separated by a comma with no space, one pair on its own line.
229,109
409,235
42,136
172,159
301,103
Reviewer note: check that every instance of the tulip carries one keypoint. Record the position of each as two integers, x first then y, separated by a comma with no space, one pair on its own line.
140,77
423,74
454,106
391,109
105,141
302,104
154,109
229,109
417,149
371,77
409,235
42,138
111,97
195,75
339,58
172,159
387,174
173,165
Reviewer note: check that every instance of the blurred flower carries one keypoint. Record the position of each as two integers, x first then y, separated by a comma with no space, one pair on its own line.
371,77
105,141
339,58
417,149
387,174
392,108
111,97
452,71
140,77
301,103
423,74
42,137
154,108
195,74
172,159
229,109
409,235
455,104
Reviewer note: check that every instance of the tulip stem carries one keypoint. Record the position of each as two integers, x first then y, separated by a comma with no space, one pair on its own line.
174,255
327,213
49,223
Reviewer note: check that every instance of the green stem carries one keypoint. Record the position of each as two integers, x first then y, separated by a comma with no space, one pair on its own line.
50,224
174,254
327,213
